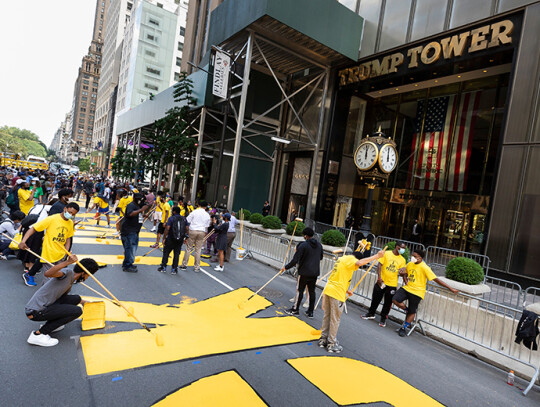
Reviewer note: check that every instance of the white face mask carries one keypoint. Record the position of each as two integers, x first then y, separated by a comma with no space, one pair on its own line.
415,260
401,251
68,215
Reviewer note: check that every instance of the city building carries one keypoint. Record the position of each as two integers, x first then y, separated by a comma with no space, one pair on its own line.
117,18
454,83
86,89
61,138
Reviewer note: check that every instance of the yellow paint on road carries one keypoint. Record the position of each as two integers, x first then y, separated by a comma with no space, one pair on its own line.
148,260
208,327
93,232
112,242
221,390
93,316
348,381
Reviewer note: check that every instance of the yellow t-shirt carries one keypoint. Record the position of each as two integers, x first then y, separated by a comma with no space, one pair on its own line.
159,204
166,210
24,203
182,210
100,202
418,275
123,203
341,277
390,265
57,231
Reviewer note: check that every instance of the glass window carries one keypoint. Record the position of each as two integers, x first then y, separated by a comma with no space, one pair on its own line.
396,18
178,61
182,31
505,5
370,11
466,11
180,46
153,70
355,125
428,19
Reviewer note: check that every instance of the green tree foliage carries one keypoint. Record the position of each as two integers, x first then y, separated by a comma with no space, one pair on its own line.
271,222
123,163
465,270
20,141
299,229
83,164
333,237
244,214
256,218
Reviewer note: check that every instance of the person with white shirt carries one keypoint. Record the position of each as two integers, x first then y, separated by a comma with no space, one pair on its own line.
231,234
198,221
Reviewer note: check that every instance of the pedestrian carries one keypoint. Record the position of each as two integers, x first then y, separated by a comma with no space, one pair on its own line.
198,221
88,191
335,294
349,221
266,208
9,227
102,206
308,256
64,196
416,231
157,213
387,280
58,232
211,240
231,234
173,238
221,240
129,232
165,213
38,196
415,277
52,303
26,197
79,185
293,215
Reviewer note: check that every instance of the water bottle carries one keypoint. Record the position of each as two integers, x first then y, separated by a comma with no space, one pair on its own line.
510,379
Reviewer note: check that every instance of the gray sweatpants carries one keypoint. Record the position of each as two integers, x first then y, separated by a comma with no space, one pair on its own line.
332,316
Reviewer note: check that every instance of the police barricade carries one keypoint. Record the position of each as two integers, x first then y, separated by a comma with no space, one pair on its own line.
439,257
381,241
504,292
531,296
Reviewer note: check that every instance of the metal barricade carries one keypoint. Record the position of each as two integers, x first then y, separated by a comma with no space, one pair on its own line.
438,257
381,241
484,323
531,296
503,292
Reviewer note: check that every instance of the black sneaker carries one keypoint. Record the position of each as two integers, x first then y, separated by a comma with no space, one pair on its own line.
162,269
309,314
382,323
182,268
174,272
368,316
292,311
130,269
402,332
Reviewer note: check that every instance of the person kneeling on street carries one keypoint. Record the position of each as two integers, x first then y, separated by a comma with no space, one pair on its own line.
52,303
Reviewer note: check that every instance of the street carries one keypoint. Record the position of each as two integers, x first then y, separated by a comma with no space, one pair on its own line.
205,338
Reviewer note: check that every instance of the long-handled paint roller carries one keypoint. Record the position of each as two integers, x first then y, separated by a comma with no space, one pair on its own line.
243,303
365,274
159,339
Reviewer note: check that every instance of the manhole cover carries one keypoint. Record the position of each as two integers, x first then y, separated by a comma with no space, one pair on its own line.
268,292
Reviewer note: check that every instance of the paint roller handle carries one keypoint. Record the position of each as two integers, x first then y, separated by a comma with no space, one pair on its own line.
27,249
260,289
101,295
377,256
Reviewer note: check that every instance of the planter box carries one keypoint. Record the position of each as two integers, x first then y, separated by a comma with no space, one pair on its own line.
535,307
477,289
294,238
330,249
273,231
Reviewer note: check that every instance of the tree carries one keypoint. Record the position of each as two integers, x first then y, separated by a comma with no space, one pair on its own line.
23,142
83,164
123,163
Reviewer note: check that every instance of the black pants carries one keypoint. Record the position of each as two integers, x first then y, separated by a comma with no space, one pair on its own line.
175,246
304,281
59,313
88,197
378,294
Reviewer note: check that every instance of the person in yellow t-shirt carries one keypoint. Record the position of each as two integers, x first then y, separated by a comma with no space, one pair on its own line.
58,232
415,275
165,213
157,213
102,209
387,280
335,294
26,197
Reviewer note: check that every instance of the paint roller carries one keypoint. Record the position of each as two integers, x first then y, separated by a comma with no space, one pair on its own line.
243,303
159,339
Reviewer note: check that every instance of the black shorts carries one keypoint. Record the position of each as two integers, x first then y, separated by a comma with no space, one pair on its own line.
414,300
161,228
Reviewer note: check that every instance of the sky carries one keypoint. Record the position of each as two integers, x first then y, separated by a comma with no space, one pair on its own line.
41,48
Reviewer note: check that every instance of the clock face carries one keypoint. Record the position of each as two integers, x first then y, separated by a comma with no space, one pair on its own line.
366,155
388,158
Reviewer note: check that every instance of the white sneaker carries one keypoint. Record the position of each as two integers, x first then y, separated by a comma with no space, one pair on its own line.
306,305
41,340
217,268
57,329
153,229
292,300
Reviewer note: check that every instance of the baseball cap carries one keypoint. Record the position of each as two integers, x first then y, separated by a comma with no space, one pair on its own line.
20,181
227,216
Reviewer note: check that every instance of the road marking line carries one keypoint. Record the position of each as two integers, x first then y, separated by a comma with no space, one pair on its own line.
217,279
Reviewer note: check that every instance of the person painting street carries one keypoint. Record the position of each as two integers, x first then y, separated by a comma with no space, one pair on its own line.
198,220
103,209
9,227
129,232
157,213
165,213
221,240
52,303
64,196
387,280
335,294
26,197
231,234
173,238
415,275
308,256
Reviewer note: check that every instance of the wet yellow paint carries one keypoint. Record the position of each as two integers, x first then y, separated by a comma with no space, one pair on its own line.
93,232
93,316
206,327
92,214
139,259
348,381
221,390
185,300
175,293
111,242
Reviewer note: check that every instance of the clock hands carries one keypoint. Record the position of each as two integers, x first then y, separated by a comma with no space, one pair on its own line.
366,154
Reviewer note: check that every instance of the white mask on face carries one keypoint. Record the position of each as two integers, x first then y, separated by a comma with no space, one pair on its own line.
414,260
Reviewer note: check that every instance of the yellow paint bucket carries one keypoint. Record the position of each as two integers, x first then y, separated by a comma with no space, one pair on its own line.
240,253
93,316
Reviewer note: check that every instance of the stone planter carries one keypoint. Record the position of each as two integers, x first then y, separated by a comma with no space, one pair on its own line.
247,223
534,307
273,231
477,290
330,249
294,238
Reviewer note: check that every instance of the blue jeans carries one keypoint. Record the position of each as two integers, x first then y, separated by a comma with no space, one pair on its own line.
130,243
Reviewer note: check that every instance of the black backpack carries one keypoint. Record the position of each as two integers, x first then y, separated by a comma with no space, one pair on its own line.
12,200
29,220
178,228
527,330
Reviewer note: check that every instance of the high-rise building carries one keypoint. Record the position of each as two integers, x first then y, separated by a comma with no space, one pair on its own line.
118,16
61,138
86,89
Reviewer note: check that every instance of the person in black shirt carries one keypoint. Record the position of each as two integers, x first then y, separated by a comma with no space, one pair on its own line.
129,232
64,195
88,191
266,208
173,237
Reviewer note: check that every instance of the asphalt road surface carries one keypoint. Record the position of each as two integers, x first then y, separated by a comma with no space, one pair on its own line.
56,376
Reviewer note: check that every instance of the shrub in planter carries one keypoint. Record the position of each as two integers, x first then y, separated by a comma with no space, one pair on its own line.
244,214
333,237
299,229
465,270
406,255
256,218
271,222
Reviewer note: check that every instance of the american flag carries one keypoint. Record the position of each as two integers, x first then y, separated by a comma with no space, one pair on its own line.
431,146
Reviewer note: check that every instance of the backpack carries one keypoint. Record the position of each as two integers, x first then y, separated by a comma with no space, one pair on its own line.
178,228
29,220
527,330
12,200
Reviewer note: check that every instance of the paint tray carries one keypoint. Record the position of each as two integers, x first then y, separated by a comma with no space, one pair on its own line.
93,316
